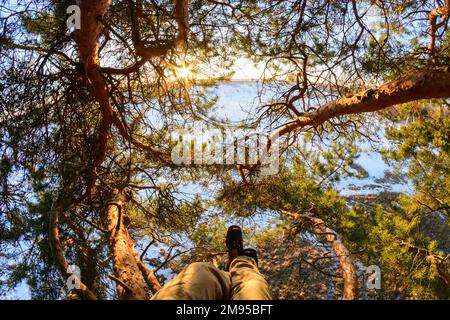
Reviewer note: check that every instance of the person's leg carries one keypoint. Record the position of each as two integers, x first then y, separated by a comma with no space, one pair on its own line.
247,283
198,281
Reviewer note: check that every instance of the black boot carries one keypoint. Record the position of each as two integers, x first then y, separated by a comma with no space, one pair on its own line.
234,243
249,252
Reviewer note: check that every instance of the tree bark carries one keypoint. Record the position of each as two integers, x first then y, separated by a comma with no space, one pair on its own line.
349,274
87,41
149,275
56,247
131,284
426,84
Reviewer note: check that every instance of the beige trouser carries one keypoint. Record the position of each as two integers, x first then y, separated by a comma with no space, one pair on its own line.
204,281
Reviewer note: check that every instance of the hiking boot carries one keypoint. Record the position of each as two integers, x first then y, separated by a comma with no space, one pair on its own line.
234,243
250,252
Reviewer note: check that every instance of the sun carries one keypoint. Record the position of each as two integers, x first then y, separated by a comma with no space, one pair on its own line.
184,71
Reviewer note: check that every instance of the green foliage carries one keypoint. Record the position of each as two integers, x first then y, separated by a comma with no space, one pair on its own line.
423,144
313,53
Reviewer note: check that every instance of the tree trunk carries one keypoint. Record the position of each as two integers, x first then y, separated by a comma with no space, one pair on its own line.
58,207
348,267
131,284
349,274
